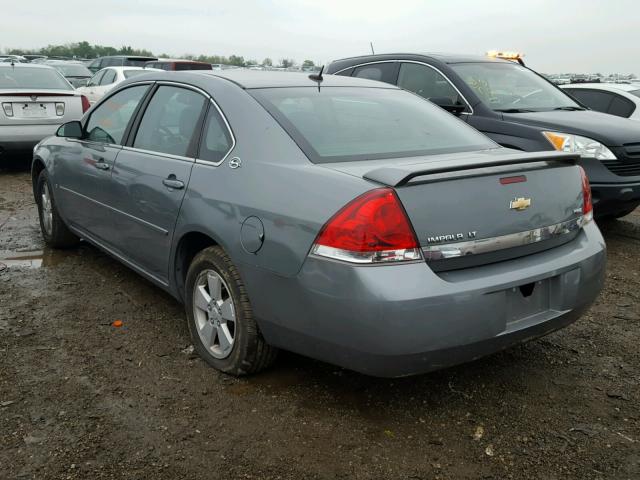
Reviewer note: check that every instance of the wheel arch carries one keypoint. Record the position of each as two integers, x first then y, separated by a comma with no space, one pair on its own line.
37,166
187,247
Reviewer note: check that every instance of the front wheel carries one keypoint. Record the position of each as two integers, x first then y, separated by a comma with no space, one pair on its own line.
54,231
220,318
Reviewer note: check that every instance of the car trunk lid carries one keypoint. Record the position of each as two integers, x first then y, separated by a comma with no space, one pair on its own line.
471,209
38,107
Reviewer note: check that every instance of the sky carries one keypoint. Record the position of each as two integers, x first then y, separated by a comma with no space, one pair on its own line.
556,36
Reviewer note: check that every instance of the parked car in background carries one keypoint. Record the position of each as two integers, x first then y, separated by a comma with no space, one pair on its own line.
118,61
340,218
75,72
13,58
620,99
519,109
31,57
36,100
170,64
107,78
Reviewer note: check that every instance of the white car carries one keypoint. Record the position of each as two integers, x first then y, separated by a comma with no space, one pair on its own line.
620,99
107,78
34,101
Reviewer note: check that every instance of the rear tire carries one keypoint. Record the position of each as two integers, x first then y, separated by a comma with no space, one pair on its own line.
54,231
220,317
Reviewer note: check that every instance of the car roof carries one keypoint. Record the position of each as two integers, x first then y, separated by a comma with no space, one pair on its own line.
25,65
625,87
265,79
177,60
443,57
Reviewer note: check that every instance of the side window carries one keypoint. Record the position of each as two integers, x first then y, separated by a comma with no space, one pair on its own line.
346,73
111,62
109,121
95,80
170,121
216,141
96,64
108,78
383,72
426,82
621,107
594,99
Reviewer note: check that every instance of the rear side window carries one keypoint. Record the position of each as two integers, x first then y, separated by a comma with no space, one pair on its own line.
111,62
110,119
169,122
594,99
383,72
338,124
216,139
95,80
426,82
621,107
108,78
192,66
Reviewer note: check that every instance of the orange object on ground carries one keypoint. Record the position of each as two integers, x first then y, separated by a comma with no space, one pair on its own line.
117,323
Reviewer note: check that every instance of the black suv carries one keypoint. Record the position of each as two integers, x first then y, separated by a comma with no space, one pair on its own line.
119,61
519,109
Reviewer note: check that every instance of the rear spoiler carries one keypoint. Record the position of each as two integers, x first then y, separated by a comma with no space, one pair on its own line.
401,175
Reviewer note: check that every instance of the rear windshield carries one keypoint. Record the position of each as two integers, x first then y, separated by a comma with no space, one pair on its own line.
73,70
32,78
134,73
340,124
635,92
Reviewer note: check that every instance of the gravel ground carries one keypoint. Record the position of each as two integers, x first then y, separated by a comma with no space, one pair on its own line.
81,399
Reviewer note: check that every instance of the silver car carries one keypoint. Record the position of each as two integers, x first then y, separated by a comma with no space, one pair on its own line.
36,100
336,217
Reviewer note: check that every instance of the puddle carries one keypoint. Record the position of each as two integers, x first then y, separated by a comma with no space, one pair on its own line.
31,259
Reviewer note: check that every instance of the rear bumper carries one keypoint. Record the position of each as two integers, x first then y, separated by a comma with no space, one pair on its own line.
403,320
22,138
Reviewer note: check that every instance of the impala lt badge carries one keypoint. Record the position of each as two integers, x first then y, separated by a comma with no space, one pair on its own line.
520,203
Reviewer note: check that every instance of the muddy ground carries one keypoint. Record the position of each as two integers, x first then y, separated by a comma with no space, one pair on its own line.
81,399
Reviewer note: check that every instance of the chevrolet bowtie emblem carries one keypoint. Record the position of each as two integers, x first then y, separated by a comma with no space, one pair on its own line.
520,203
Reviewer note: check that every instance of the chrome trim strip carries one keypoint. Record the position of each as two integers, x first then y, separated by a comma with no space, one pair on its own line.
470,112
494,244
139,220
157,154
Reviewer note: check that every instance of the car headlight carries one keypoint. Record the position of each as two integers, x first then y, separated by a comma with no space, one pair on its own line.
586,147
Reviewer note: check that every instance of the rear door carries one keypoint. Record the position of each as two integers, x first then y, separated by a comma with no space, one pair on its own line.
83,167
151,175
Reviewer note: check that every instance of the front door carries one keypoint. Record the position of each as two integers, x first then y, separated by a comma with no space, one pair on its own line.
150,177
85,167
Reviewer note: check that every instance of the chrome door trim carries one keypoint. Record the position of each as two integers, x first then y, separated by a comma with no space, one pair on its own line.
220,112
158,154
494,244
139,220
470,112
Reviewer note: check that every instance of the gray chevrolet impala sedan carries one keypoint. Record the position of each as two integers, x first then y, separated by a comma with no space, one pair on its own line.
336,217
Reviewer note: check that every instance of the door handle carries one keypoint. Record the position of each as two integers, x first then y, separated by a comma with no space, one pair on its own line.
172,182
100,165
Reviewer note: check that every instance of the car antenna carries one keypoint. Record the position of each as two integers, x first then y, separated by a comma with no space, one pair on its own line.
372,52
317,77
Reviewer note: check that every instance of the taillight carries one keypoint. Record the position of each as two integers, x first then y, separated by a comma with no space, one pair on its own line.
373,228
8,109
85,103
587,202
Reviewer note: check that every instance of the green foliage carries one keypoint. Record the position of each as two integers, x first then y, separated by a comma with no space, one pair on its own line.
80,50
287,62
267,62
308,63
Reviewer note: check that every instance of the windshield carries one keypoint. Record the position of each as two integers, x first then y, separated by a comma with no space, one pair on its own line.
337,124
73,70
509,87
32,78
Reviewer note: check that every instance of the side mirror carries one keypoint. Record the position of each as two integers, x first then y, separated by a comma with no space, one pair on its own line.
448,105
70,130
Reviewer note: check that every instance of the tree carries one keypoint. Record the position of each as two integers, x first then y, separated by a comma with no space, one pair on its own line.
287,62
267,62
236,60
308,64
